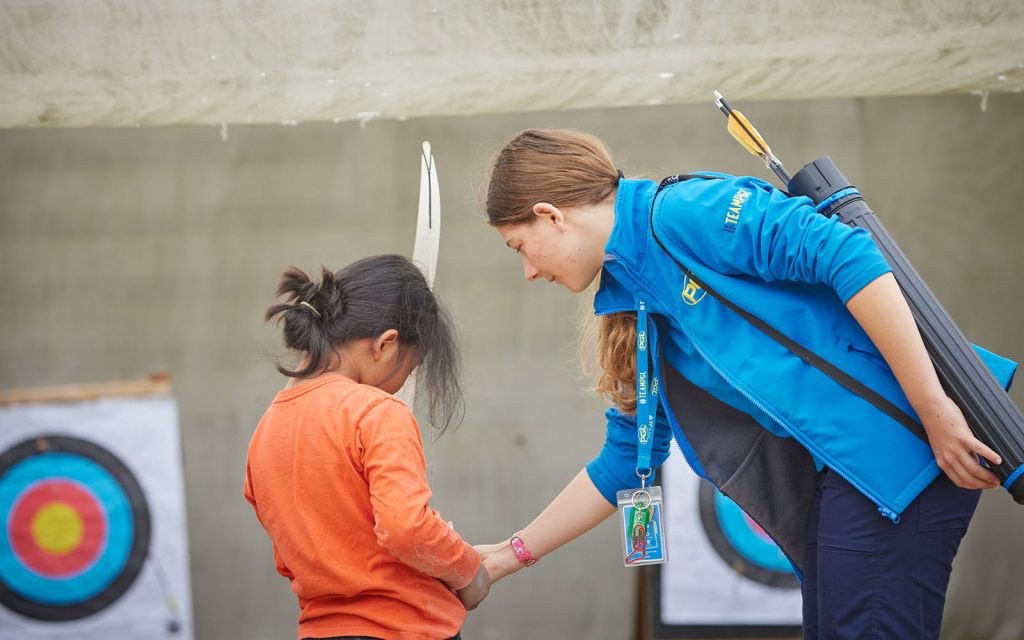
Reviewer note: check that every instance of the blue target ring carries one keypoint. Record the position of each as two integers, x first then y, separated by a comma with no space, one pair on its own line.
120,529
750,541
70,477
740,542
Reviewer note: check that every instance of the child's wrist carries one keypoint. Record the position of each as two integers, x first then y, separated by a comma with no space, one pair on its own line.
501,561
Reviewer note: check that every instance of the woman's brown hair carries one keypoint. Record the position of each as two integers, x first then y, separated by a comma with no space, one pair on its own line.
608,354
563,167
568,169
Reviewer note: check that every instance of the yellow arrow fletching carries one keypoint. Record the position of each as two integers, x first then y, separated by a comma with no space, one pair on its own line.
745,133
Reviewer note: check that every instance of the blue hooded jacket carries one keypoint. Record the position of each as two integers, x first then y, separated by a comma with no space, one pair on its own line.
744,410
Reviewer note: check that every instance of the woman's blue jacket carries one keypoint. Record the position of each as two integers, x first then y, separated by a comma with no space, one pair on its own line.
744,410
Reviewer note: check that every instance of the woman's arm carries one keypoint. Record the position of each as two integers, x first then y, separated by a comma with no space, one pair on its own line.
883,313
578,508
589,498
743,225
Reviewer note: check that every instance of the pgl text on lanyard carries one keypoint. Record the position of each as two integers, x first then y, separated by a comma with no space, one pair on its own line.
640,510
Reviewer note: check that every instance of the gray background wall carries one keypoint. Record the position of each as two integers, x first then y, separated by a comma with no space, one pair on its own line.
125,251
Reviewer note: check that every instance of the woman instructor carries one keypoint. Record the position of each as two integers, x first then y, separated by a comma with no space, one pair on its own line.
868,504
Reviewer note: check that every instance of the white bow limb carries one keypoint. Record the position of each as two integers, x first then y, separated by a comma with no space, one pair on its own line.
428,238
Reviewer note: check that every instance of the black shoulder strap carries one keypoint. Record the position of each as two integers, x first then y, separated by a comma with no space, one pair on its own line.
835,373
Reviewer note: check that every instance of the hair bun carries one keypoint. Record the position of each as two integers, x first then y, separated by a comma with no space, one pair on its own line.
330,292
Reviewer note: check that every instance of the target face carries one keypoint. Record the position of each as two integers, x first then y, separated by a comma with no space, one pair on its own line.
741,542
76,528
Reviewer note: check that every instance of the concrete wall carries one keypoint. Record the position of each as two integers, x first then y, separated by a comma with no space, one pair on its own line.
130,250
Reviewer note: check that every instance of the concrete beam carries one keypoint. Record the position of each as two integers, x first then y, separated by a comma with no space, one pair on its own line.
125,63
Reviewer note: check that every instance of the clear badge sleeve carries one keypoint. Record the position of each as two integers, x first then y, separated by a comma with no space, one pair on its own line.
642,526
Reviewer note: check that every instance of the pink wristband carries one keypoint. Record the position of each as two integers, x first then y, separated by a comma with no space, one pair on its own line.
520,550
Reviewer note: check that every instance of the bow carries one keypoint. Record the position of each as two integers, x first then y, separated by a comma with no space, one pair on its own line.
424,253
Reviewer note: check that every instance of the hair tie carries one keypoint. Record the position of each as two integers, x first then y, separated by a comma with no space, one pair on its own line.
311,308
621,177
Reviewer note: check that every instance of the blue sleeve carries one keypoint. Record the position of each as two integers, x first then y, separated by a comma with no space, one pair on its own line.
614,468
742,225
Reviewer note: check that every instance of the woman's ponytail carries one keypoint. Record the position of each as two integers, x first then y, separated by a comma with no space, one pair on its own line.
608,354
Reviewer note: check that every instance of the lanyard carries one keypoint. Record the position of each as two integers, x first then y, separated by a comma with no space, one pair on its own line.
646,392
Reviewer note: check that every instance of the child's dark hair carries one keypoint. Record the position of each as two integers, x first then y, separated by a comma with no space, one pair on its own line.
364,300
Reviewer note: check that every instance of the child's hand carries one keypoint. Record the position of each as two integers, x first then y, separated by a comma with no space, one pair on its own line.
499,559
473,593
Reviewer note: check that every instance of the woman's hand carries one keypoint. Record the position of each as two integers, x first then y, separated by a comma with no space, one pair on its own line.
882,311
955,447
473,593
499,559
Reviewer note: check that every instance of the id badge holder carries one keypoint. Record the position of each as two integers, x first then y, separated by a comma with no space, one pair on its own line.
642,526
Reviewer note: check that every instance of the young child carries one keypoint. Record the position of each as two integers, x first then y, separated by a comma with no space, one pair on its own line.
335,469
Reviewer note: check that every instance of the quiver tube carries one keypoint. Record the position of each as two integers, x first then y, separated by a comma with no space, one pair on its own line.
990,413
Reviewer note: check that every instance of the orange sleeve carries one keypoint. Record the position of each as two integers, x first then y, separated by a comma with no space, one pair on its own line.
405,525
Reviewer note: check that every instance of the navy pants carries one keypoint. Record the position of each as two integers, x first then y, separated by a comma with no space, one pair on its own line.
866,577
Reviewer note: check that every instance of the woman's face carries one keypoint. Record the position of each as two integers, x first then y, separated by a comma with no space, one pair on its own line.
564,246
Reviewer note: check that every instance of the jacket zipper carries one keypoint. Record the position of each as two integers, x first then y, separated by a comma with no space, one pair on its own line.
882,509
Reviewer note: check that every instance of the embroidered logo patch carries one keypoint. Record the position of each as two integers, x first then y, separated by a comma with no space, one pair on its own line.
693,292
732,214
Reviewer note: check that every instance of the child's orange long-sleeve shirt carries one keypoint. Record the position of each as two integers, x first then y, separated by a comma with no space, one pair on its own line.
337,477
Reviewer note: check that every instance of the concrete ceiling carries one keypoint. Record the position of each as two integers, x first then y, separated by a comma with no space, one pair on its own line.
88,63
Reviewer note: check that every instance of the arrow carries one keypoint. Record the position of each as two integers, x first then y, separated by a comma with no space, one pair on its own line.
745,133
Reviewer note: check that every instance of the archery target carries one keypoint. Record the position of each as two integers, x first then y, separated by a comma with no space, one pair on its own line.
76,528
93,533
724,571
741,542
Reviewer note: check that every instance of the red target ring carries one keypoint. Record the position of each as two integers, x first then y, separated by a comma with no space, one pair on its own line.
75,528
58,528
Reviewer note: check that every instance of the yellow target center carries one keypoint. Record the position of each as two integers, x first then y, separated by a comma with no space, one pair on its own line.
57,528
